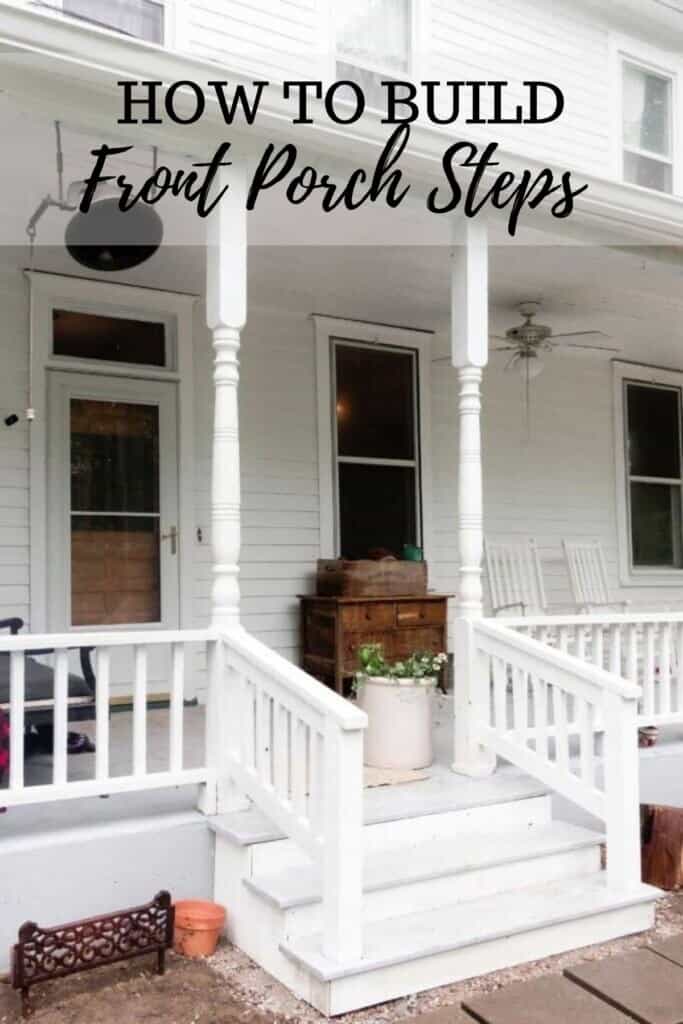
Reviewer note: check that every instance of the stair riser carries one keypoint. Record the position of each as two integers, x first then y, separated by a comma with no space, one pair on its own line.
433,893
283,854
405,978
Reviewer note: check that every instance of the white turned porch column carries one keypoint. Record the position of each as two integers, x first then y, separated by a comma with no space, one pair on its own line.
226,314
469,351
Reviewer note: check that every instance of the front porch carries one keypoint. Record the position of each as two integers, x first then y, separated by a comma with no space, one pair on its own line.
349,895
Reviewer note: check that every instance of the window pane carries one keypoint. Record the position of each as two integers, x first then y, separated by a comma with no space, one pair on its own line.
641,170
140,18
647,110
375,403
656,524
114,457
90,336
374,32
114,570
376,509
653,431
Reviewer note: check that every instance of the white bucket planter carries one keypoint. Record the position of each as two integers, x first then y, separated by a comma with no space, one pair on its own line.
399,732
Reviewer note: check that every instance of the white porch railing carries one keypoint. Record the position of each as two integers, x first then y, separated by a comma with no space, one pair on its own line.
559,703
644,648
103,782
296,749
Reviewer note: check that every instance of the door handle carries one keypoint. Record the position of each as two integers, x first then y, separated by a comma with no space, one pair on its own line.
172,535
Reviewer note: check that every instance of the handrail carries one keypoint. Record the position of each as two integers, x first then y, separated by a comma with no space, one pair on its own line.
305,687
543,655
110,638
559,704
590,619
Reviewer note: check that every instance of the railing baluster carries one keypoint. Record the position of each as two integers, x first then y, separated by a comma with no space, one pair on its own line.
102,675
665,670
282,759
597,646
500,693
586,721
540,691
648,682
615,649
561,732
60,717
520,702
140,712
299,767
175,724
17,669
632,653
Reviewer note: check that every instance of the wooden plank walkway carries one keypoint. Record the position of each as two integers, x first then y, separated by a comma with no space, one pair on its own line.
645,986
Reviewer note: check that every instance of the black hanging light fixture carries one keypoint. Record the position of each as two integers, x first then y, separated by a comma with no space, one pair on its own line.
105,238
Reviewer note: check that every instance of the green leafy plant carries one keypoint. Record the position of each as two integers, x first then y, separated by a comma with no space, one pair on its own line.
418,665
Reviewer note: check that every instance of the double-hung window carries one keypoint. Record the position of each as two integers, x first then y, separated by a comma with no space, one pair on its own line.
377,466
373,43
141,19
647,124
652,480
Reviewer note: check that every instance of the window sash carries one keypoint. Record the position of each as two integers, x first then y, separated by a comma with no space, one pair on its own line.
374,63
338,459
636,478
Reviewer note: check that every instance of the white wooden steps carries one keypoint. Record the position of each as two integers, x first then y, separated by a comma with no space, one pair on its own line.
446,896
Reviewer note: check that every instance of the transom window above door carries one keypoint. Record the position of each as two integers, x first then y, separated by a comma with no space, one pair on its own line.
373,43
377,466
113,339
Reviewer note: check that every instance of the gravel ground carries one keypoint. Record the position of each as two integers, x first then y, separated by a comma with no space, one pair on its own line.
230,989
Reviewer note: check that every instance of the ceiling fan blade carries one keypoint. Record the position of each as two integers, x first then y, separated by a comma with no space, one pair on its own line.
579,334
497,337
588,348
505,348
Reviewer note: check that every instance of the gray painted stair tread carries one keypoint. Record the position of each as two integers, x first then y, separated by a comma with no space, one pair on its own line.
442,792
646,986
426,933
537,1002
671,949
412,861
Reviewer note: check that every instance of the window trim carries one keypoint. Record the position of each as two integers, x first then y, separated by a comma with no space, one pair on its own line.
665,64
327,329
630,575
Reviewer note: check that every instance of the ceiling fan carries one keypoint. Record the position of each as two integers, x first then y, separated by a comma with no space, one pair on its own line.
526,341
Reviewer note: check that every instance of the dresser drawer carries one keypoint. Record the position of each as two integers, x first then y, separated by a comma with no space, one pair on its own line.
417,613
353,641
421,638
373,615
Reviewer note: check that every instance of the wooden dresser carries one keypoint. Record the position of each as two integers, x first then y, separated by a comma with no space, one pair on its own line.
333,628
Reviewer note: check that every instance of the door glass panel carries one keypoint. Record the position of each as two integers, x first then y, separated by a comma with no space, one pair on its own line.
376,509
375,403
656,524
111,338
653,431
115,566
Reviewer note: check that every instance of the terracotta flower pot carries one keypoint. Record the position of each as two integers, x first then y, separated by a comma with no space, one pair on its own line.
198,925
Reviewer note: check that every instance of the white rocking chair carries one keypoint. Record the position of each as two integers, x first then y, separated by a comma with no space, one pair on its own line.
514,576
588,576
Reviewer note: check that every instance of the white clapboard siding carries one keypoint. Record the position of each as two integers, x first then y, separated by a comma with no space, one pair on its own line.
275,39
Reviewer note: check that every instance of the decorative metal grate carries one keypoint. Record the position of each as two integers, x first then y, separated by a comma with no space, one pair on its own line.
44,954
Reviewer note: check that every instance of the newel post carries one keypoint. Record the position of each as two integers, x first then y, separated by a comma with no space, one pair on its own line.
226,314
469,352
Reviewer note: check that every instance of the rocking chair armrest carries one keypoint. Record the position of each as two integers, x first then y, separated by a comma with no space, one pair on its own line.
15,624
514,604
86,662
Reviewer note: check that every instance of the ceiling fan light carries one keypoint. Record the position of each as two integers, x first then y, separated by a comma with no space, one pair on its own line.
109,239
529,364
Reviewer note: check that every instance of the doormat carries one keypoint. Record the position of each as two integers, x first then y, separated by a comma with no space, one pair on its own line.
373,777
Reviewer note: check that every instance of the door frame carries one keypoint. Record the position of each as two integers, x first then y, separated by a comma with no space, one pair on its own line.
62,386
55,291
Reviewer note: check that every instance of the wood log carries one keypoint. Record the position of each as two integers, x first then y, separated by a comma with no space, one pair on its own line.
662,845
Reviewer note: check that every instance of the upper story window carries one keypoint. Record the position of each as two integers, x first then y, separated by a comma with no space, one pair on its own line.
141,19
647,126
373,42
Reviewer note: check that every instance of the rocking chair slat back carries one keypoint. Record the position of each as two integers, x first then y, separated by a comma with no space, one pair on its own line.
587,570
515,577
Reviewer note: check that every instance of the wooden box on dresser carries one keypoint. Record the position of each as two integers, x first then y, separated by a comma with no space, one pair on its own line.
333,628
